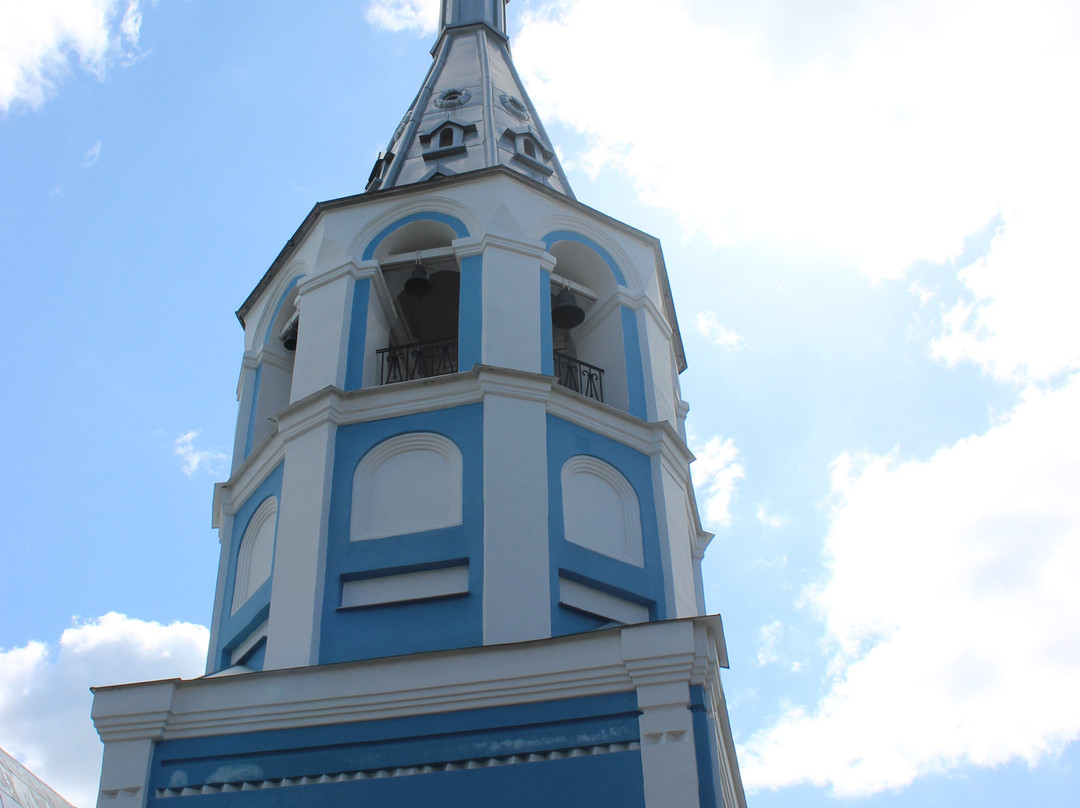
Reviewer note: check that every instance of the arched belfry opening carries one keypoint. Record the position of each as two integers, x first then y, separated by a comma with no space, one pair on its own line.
424,280
274,374
586,328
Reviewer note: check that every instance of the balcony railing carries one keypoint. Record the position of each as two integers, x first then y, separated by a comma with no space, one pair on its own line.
418,360
581,377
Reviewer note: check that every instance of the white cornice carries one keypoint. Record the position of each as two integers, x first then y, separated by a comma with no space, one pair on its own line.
615,660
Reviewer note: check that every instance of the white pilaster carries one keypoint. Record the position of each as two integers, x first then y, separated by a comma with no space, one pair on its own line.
517,587
325,307
129,719
300,552
511,302
660,658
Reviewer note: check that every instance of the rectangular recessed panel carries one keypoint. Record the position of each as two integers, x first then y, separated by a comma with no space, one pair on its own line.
409,586
586,599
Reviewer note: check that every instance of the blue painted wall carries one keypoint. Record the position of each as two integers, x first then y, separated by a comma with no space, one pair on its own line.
612,779
404,628
233,629
641,585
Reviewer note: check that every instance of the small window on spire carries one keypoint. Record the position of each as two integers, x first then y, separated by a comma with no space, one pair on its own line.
530,148
446,138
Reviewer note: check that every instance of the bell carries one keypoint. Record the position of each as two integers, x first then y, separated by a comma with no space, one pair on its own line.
566,313
418,285
288,339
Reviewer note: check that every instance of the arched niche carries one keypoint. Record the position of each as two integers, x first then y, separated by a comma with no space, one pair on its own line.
601,510
255,559
406,484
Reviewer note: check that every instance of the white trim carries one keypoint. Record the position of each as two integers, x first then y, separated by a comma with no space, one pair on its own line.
586,599
423,585
250,642
598,662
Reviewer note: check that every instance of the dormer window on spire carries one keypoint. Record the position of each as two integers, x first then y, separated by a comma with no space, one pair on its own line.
446,139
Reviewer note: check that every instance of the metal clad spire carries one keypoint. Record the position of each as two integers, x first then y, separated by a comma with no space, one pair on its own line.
472,111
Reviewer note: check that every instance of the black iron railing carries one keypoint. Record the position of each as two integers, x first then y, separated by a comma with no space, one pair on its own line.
581,377
417,360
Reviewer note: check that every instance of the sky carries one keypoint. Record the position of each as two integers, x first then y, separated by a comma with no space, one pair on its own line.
868,215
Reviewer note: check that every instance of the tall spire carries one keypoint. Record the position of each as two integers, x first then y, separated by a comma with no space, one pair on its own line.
472,111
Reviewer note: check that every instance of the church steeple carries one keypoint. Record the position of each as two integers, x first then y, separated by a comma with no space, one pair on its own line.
472,111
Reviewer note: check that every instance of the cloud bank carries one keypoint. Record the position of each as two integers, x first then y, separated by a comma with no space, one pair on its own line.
40,40
951,609
880,133
45,698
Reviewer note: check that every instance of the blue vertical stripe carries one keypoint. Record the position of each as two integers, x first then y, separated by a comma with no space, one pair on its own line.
547,362
635,373
354,362
471,313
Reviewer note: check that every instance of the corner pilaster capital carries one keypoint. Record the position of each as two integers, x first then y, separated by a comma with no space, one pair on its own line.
133,712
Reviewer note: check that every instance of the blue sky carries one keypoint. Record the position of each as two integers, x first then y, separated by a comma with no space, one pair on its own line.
868,214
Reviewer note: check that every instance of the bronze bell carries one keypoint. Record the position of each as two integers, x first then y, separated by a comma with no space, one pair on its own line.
566,313
418,285
288,339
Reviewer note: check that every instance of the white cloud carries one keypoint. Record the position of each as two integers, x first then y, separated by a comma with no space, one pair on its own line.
45,699
39,39
1019,321
211,460
770,635
418,16
886,134
92,155
716,471
713,330
951,606
772,520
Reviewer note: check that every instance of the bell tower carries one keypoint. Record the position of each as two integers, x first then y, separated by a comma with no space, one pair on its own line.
460,552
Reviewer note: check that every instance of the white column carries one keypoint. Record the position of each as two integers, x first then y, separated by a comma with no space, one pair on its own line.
296,596
325,307
511,303
659,658
129,719
517,587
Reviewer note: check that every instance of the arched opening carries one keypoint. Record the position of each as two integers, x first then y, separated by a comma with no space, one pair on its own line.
275,371
424,281
588,350
446,138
